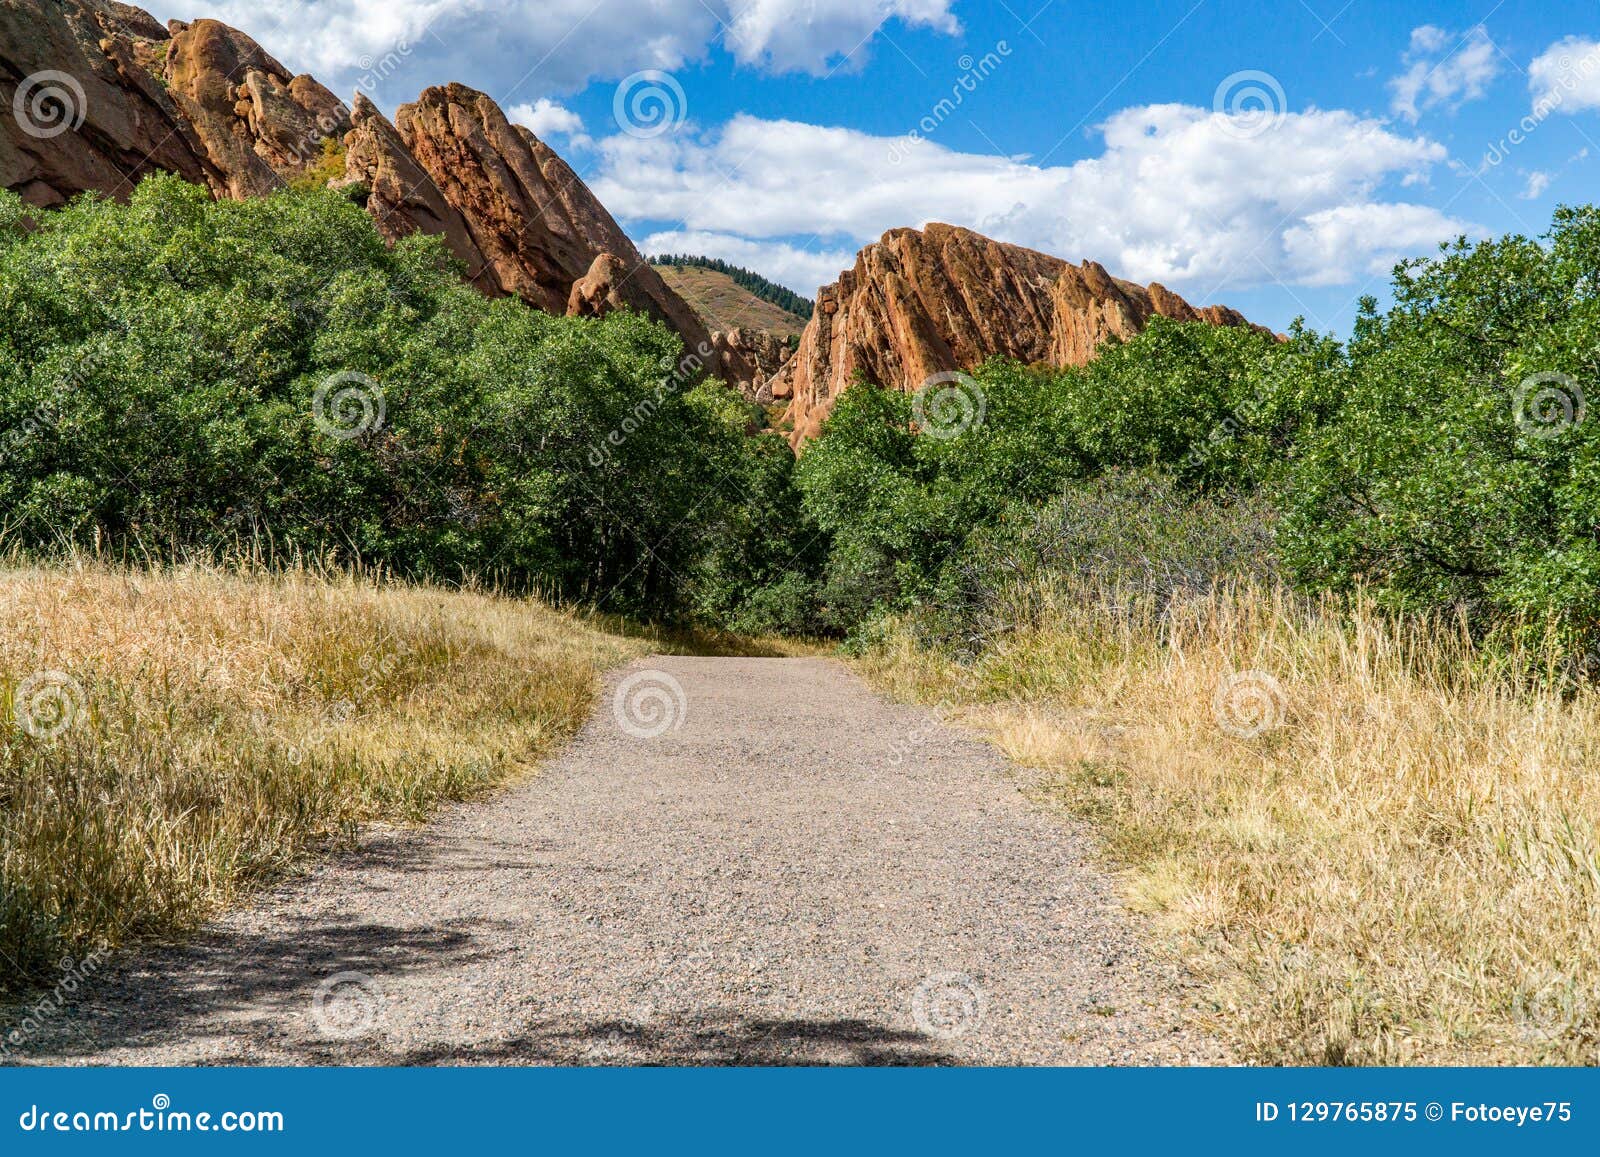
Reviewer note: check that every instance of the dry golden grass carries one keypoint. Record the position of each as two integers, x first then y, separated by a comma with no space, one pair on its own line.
195,732
1402,867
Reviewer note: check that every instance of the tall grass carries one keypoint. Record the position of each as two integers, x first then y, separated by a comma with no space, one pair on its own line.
1373,845
169,739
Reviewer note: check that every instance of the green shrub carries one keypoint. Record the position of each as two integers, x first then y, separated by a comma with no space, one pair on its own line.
179,374
1463,470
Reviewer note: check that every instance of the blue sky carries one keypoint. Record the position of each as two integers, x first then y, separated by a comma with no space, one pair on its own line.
1276,157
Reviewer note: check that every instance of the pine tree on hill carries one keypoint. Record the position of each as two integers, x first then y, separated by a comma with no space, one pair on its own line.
785,299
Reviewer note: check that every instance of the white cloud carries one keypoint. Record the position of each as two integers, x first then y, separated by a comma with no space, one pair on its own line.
517,47
1179,194
816,35
1566,76
547,118
798,267
1444,71
1538,182
1353,241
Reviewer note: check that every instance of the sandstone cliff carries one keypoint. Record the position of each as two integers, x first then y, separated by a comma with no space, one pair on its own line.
922,302
111,95
763,352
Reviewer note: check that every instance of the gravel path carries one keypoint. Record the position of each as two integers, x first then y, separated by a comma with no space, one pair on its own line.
793,871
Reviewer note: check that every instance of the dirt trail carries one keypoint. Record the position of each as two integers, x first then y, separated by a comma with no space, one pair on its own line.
792,871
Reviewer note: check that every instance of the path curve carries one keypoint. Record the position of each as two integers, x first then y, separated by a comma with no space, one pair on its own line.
793,871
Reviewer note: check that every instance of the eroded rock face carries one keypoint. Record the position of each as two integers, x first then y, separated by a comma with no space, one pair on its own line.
259,123
763,352
923,302
523,222
208,103
95,110
400,195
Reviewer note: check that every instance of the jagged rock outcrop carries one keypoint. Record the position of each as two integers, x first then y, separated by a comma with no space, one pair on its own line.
763,352
88,79
514,212
259,123
399,194
923,302
119,96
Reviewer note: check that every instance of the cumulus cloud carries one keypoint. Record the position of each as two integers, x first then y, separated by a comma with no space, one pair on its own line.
1566,76
1444,71
819,35
1179,194
547,118
396,47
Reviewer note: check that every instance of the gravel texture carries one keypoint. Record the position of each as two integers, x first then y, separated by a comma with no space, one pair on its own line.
792,872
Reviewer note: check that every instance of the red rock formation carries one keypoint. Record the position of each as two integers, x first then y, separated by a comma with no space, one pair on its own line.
924,302
533,224
205,101
110,120
400,195
762,351
259,123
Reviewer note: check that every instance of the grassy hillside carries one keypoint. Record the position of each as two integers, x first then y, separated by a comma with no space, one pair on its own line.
725,304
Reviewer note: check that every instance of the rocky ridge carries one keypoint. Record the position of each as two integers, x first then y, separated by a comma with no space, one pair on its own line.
924,302
105,95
